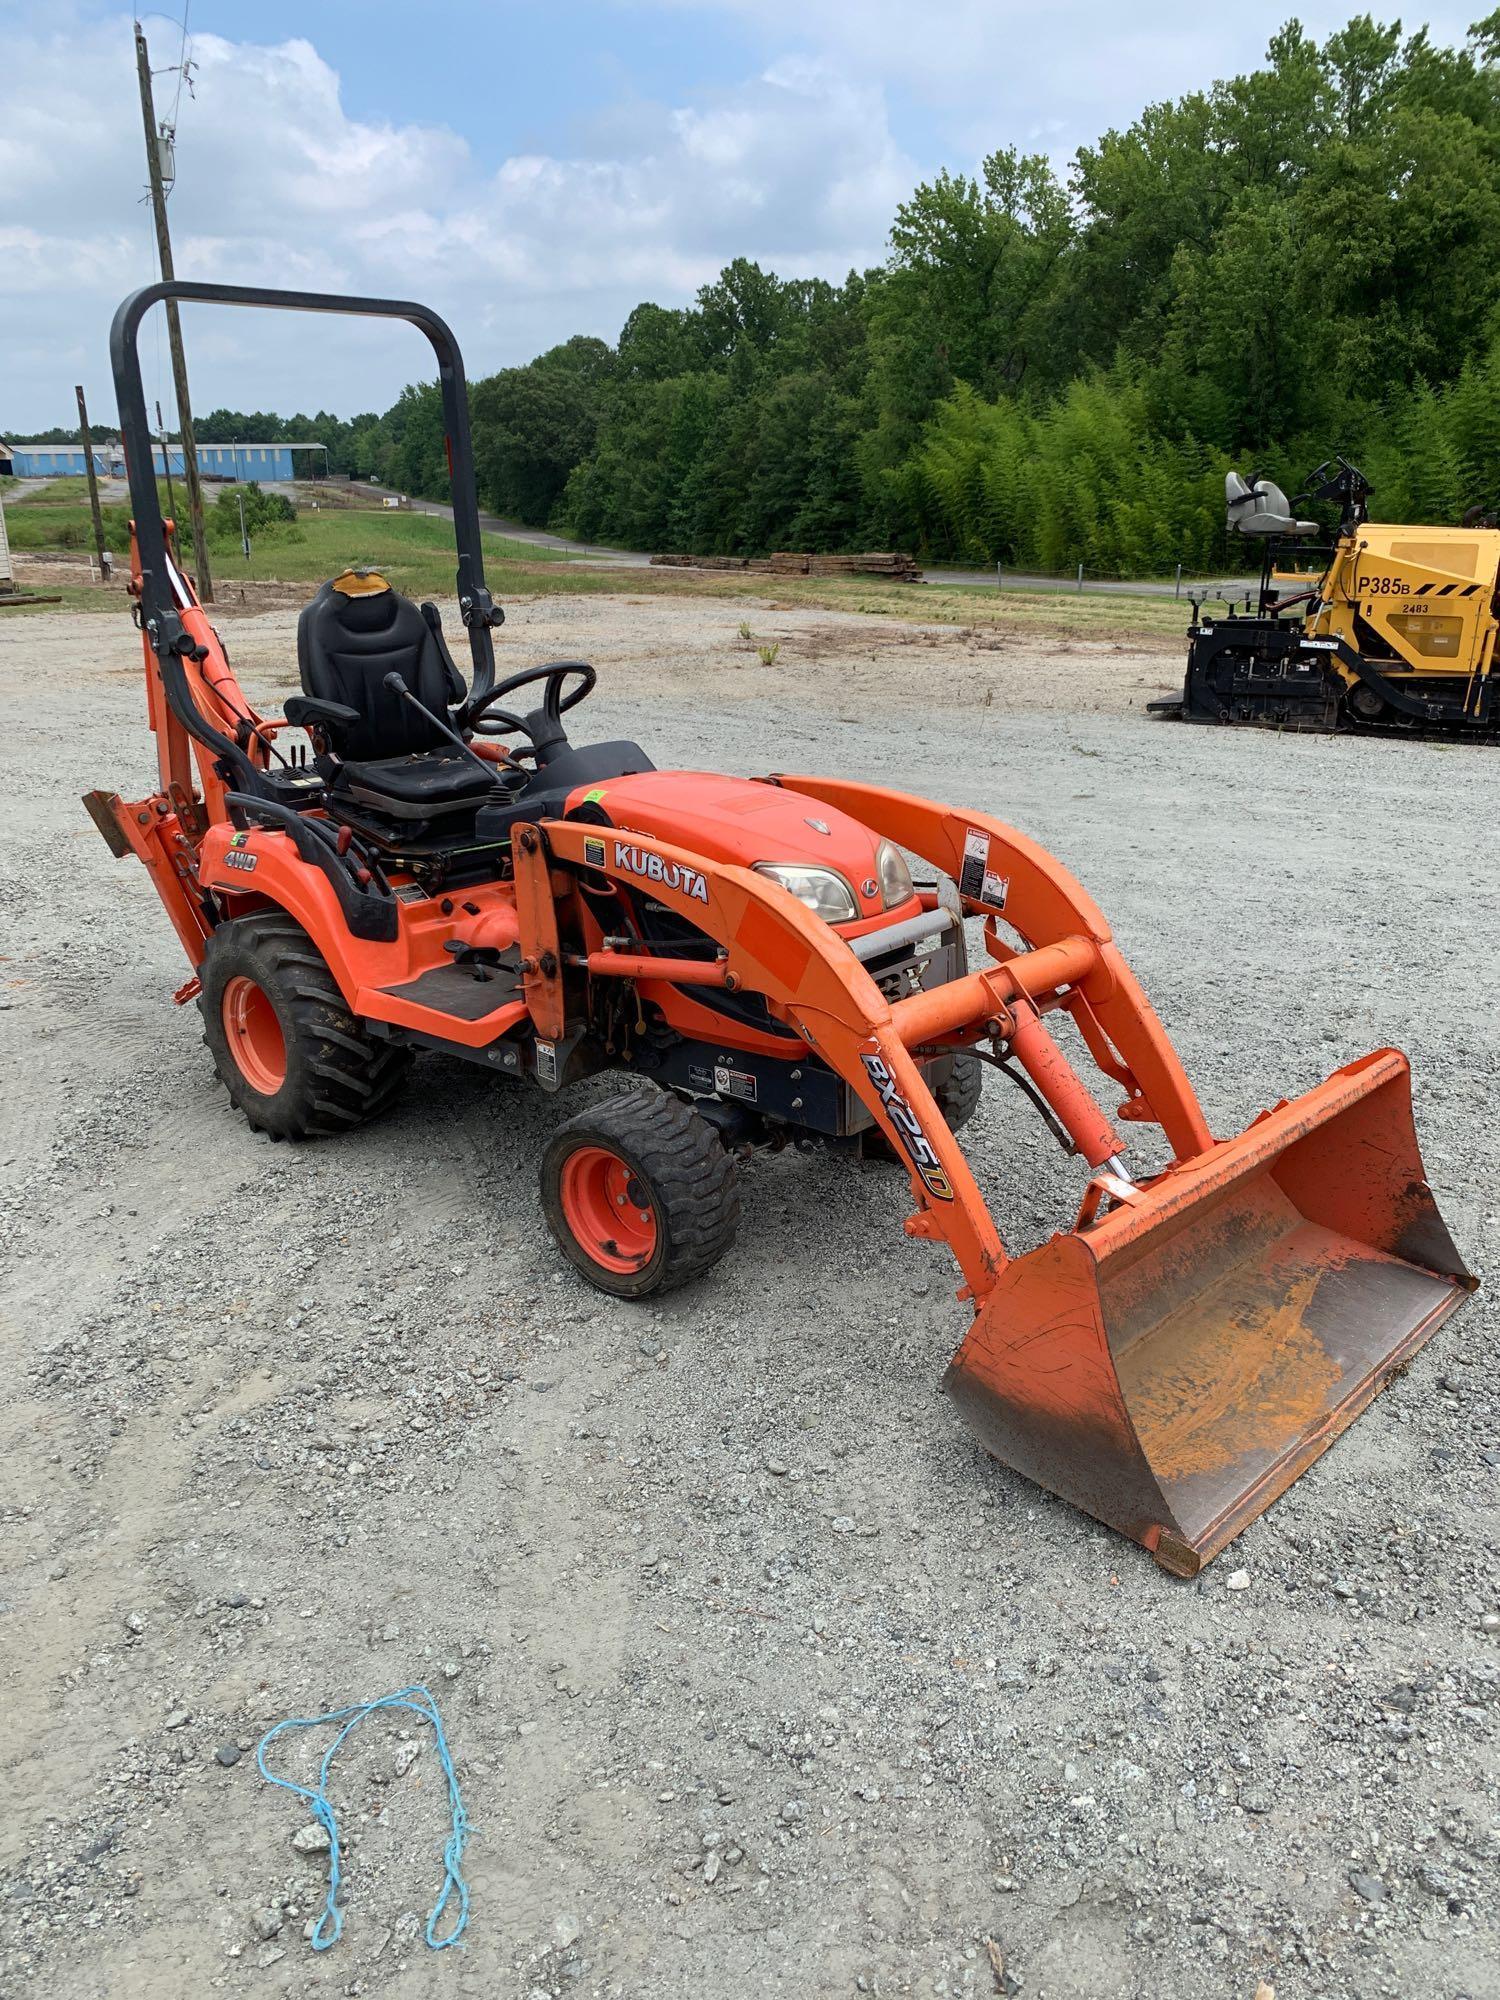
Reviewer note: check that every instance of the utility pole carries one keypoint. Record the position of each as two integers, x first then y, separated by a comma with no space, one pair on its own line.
88,466
174,325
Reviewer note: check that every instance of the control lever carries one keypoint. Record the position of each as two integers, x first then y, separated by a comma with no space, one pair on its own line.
397,685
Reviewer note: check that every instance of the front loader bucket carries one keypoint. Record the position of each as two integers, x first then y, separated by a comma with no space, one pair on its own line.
1174,1366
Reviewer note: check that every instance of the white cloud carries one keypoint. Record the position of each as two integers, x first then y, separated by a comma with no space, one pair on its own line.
1048,78
277,185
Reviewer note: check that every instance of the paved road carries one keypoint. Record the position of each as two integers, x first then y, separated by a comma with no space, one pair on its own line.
538,537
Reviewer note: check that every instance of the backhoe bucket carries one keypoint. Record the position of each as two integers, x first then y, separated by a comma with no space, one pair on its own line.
1175,1365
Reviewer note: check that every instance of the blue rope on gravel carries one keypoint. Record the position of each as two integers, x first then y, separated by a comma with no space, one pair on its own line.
419,1700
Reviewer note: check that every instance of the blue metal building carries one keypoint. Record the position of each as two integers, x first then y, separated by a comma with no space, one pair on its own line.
215,461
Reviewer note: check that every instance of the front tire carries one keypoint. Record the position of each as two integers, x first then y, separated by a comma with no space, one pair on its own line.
958,1098
287,1049
640,1194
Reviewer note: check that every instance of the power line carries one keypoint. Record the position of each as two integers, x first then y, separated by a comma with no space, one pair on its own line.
182,64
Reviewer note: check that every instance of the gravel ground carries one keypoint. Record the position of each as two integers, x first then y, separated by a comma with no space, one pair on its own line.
761,1679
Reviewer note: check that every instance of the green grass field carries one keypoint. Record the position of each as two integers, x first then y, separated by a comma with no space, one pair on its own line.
318,544
1121,620
55,518
416,552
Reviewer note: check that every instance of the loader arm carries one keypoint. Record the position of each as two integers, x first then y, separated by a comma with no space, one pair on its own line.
1175,1359
1045,905
815,983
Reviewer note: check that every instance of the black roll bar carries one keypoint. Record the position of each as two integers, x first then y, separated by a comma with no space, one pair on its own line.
159,611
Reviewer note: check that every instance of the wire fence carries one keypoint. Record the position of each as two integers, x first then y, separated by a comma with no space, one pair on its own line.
1183,583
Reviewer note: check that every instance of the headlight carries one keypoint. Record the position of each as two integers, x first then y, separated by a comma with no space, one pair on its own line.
895,876
825,893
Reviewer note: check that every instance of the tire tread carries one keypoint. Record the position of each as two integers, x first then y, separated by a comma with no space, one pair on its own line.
348,1075
692,1178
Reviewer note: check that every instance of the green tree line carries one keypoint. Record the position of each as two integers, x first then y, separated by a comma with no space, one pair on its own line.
1050,367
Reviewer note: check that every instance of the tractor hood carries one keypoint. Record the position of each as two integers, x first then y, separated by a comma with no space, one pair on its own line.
743,821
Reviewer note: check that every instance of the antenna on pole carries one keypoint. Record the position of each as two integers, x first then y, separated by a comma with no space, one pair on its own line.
159,139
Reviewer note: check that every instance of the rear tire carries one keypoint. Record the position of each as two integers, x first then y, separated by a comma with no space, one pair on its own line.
640,1194
293,1058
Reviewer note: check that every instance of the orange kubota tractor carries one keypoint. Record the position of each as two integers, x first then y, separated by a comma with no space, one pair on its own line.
376,873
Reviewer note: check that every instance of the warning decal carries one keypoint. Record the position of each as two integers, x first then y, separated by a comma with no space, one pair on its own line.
977,880
734,1083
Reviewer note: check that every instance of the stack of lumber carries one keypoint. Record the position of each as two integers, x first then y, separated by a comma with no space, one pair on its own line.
893,563
703,562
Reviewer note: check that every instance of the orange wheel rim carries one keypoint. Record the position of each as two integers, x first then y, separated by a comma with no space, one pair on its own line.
608,1209
254,1035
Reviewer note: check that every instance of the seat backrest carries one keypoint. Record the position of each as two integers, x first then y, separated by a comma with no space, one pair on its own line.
353,633
1262,509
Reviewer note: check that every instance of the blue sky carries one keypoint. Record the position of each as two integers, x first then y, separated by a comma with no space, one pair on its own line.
532,171
549,78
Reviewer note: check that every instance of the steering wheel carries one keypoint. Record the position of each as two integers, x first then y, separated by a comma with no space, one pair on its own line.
543,725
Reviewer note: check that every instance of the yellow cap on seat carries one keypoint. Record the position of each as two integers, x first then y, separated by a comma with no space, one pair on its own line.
359,583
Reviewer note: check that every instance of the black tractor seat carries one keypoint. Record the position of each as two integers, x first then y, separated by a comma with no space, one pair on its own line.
393,776
375,751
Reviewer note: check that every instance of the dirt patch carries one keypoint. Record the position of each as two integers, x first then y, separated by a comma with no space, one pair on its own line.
235,600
